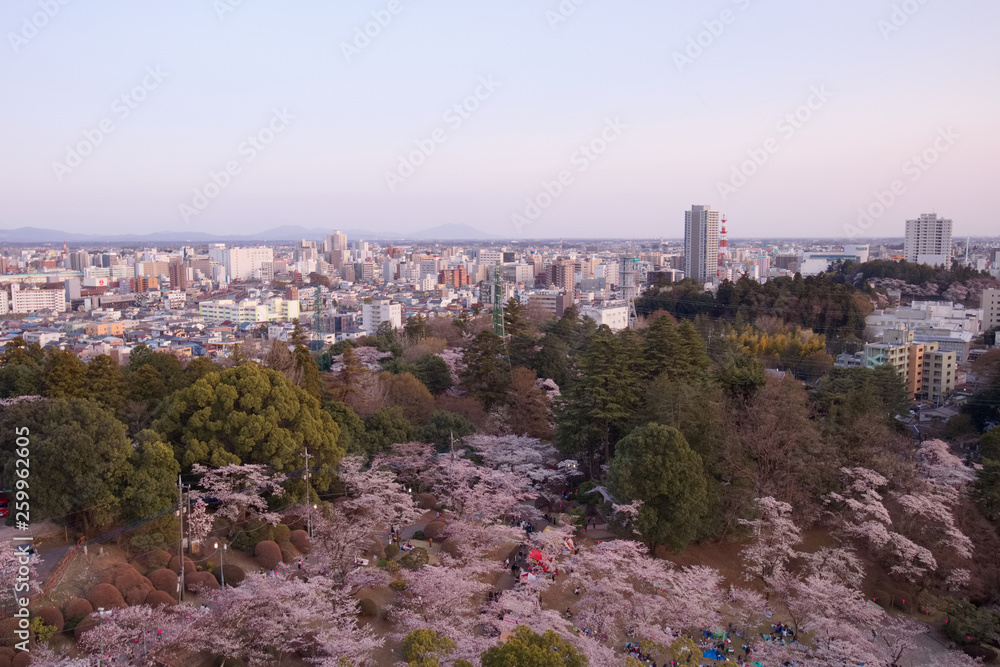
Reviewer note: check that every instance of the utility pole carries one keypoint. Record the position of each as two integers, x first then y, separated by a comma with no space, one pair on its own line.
308,509
180,548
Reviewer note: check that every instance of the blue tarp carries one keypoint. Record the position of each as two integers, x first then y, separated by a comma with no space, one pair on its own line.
713,654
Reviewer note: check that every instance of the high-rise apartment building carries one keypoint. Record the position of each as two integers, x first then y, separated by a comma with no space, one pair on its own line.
240,263
29,301
178,274
336,241
378,312
928,240
991,309
701,243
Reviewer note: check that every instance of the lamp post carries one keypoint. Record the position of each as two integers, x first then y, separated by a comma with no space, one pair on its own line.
222,561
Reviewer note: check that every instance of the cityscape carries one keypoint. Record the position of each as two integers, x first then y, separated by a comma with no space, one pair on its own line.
381,334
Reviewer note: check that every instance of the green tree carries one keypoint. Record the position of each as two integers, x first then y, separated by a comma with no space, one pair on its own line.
487,374
685,652
64,375
740,374
426,648
21,369
410,395
989,444
662,348
969,624
654,464
352,428
80,455
387,427
106,383
443,425
250,414
552,360
434,373
530,411
308,371
528,649
153,484
198,368
601,404
169,369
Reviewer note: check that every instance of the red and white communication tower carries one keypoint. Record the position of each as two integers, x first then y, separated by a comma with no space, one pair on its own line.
722,248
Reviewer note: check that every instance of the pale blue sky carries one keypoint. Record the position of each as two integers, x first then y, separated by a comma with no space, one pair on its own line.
686,127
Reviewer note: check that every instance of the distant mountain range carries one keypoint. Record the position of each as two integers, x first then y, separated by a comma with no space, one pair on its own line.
450,232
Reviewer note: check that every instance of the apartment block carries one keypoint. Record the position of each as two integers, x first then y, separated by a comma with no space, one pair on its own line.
378,312
991,309
29,301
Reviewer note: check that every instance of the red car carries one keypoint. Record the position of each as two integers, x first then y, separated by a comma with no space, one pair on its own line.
3,506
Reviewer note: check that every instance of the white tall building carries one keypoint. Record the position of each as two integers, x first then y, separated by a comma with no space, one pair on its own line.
379,311
613,315
701,243
28,301
991,309
928,240
240,263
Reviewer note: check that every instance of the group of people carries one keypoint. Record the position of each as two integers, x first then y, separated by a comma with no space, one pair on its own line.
635,651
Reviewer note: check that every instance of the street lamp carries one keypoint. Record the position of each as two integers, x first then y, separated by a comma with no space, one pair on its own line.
222,561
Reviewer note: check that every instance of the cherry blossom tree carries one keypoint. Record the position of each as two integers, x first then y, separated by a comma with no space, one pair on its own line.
239,490
376,497
265,618
139,635
774,538
199,521
539,462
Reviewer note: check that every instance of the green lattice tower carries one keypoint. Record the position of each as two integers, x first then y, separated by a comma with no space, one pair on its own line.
498,327
318,318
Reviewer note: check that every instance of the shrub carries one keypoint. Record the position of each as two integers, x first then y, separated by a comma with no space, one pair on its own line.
368,607
52,616
6,655
268,554
426,501
969,624
399,584
147,542
392,566
416,559
280,533
391,551
85,624
419,535
157,559
234,574
137,594
381,563
43,631
158,598
174,565
105,595
164,580
435,529
21,659
300,540
287,552
77,608
199,581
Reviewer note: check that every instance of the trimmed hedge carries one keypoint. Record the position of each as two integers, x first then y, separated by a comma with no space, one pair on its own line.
368,607
52,616
189,565
164,580
77,607
158,598
105,595
300,540
268,554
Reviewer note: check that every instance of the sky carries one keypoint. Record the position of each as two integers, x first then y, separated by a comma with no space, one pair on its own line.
522,118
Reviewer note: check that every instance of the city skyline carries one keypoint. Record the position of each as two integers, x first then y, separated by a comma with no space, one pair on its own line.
329,128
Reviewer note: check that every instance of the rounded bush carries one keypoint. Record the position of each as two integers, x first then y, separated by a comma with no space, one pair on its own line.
52,616
6,655
419,535
391,551
426,501
157,560
234,574
268,554
300,540
416,559
77,607
174,565
368,607
160,598
435,529
137,594
198,581
88,623
21,659
105,595
164,580
288,554
280,533
8,630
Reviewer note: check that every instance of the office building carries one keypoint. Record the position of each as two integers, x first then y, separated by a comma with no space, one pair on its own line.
928,240
614,315
701,243
241,263
229,310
